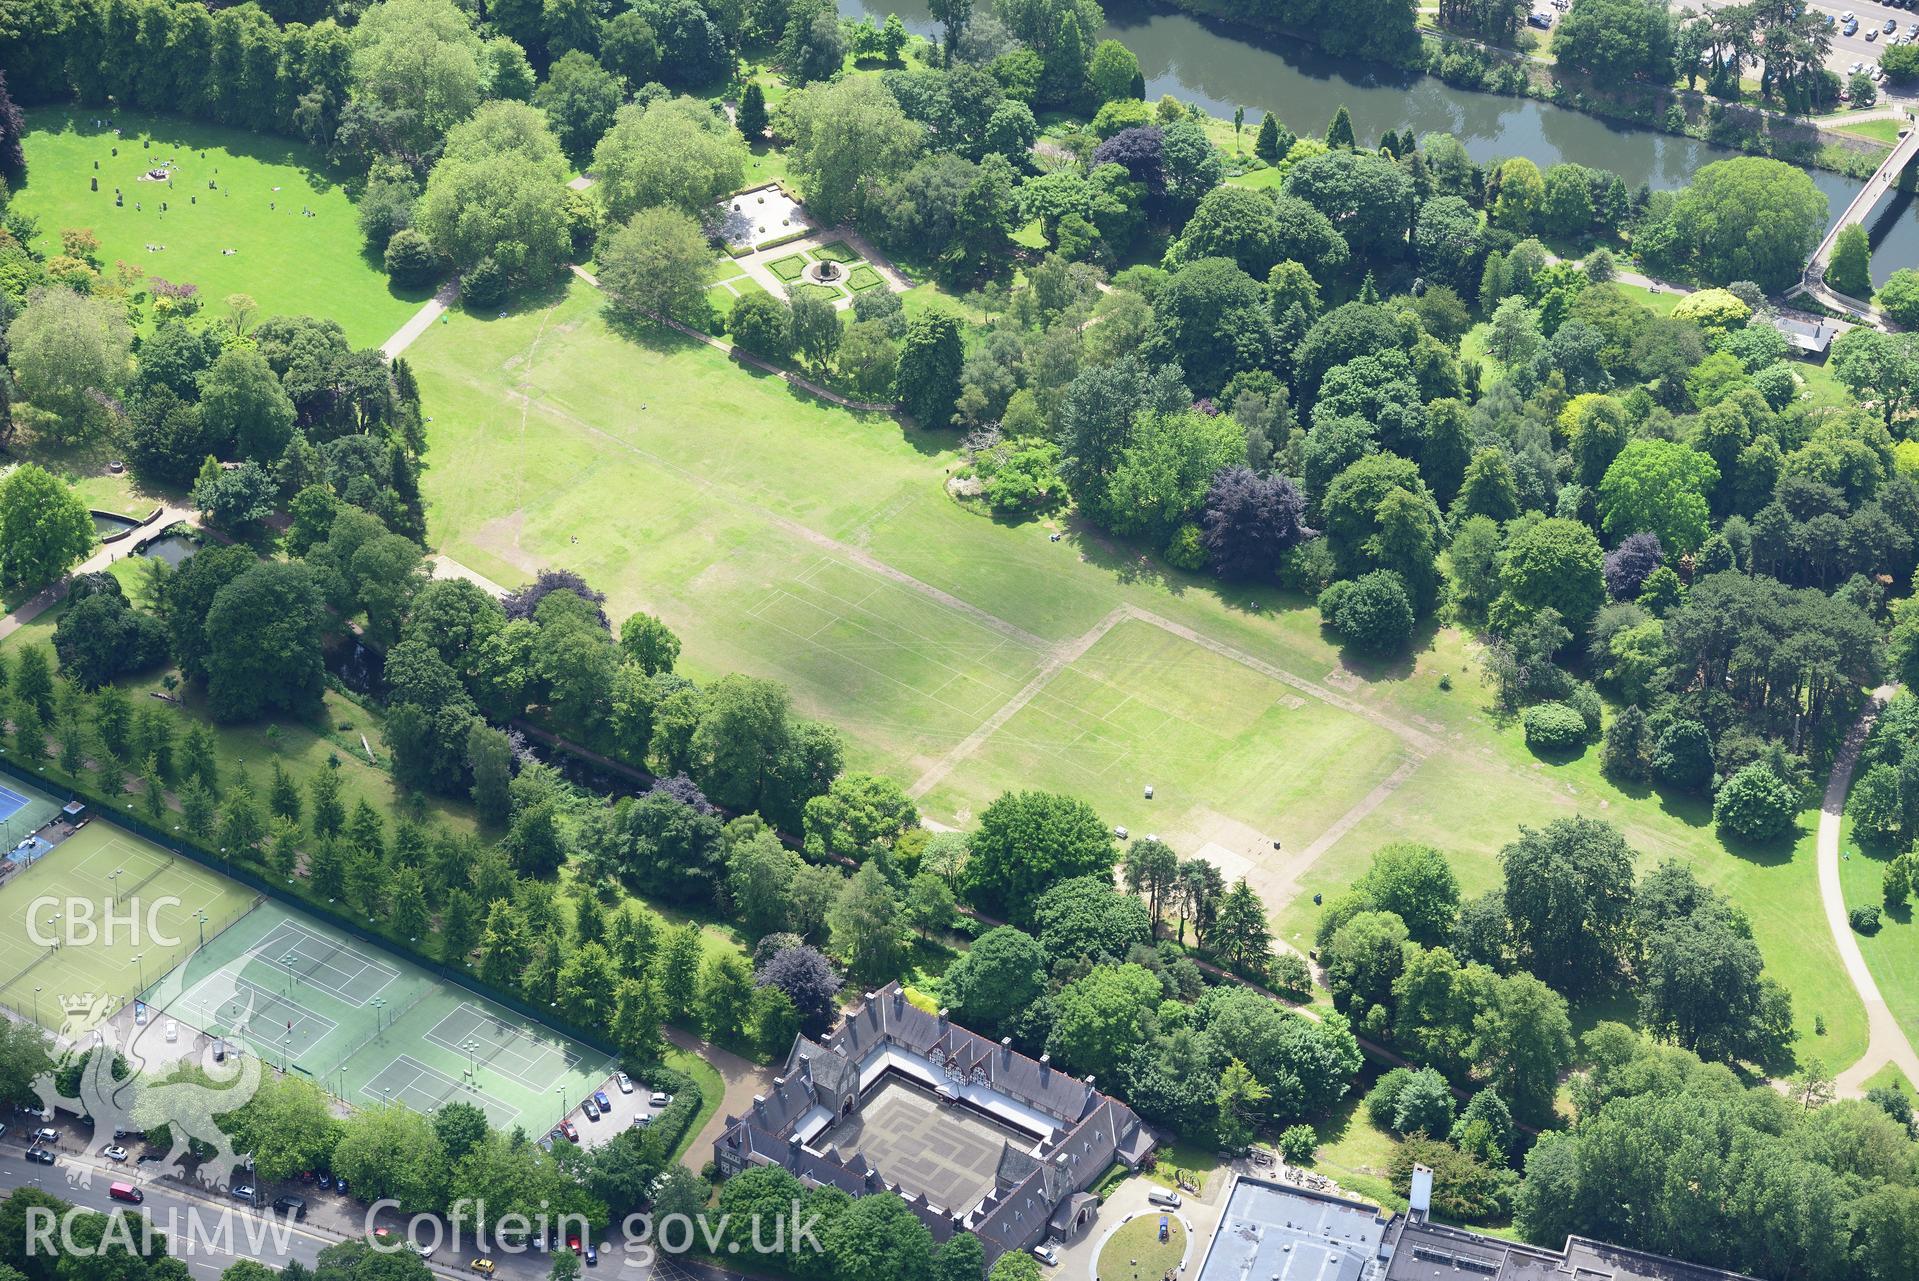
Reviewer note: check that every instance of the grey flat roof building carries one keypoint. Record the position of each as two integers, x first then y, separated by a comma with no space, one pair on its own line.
1273,1231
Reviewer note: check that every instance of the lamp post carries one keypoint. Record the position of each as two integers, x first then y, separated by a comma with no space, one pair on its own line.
113,888
36,1001
379,1013
139,959
201,917
472,1065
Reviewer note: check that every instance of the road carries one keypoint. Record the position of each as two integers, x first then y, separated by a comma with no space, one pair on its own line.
209,1231
1886,1040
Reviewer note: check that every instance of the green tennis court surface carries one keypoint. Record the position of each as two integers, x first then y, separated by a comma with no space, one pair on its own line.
372,1028
87,924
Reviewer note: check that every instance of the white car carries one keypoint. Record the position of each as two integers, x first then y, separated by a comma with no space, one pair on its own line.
660,1098
1848,16
624,1081
115,1153
173,1031
1046,1254
422,1249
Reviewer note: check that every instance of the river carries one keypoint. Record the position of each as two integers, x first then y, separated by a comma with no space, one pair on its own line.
1221,67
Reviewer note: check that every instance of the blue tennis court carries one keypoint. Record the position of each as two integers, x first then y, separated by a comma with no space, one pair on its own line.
24,810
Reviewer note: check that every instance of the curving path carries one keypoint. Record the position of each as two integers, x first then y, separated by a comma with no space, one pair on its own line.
1886,1040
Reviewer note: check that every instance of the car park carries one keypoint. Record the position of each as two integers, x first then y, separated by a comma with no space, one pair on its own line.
624,1081
115,1152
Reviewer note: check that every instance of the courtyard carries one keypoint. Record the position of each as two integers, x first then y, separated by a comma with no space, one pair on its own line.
943,1152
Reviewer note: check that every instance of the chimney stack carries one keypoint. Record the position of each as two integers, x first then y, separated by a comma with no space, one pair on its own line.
1045,1067
1006,1049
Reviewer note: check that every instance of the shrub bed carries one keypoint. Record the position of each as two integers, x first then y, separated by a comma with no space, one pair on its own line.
863,277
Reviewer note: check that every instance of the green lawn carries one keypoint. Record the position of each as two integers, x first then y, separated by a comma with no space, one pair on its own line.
788,268
863,277
964,655
1892,954
1355,1153
287,262
1884,130
1890,1075
1135,1252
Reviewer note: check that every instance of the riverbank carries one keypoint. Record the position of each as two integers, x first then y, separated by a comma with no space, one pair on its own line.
1464,63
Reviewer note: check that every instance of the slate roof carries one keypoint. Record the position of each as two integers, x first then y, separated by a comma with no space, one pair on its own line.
1091,1129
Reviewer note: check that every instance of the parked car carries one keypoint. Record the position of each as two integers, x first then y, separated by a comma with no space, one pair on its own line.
46,1134
126,1192
592,1255
40,1156
482,1265
290,1204
660,1098
1872,34
339,1185
422,1249
624,1081
599,1097
115,1152
243,1192
173,1031
643,1120
1534,19
1162,1196
571,1131
1046,1254
1892,25
326,1181
591,1109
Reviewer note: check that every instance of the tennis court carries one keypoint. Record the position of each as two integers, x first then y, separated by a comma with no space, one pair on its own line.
23,811
98,917
373,1028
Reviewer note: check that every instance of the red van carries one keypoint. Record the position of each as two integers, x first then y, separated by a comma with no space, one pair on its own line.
126,1192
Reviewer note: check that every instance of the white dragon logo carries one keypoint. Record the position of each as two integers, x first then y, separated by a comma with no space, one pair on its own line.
161,1086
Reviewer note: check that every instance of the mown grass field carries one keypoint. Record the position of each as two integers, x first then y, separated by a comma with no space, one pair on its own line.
288,263
964,655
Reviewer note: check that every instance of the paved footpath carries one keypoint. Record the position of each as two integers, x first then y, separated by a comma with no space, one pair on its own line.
1887,1042
108,553
434,308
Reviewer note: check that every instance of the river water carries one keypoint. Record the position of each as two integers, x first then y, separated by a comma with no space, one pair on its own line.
1221,67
